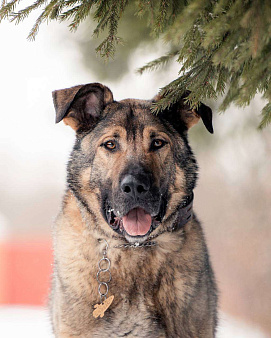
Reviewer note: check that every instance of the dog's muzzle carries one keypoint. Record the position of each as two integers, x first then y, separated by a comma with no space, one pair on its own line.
137,222
138,206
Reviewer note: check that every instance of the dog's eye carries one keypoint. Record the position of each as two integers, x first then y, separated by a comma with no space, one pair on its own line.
110,145
157,144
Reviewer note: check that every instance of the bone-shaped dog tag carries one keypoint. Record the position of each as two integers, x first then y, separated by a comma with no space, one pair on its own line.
101,308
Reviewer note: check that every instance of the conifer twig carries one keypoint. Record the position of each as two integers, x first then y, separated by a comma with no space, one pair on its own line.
157,63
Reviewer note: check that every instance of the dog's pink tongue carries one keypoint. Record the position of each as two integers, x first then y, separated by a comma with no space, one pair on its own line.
137,222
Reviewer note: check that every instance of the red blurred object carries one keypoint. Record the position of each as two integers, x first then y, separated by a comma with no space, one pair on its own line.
25,272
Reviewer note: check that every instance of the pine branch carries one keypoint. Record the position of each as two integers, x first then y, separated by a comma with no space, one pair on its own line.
266,116
24,13
7,9
102,14
56,10
67,15
43,16
145,7
123,5
102,10
232,93
81,13
108,46
161,18
159,62
35,28
223,76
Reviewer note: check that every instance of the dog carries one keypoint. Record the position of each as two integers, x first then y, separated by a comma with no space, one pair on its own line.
130,258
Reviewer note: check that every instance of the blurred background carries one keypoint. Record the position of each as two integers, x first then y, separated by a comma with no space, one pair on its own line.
232,198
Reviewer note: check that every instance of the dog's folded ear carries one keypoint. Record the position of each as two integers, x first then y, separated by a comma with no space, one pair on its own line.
182,117
81,106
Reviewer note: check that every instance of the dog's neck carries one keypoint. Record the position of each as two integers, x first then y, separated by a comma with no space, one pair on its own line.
185,213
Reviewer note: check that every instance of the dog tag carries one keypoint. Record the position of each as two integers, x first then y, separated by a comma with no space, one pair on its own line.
101,308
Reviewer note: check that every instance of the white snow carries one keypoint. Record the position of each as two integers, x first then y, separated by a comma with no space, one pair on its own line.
33,322
24,322
230,327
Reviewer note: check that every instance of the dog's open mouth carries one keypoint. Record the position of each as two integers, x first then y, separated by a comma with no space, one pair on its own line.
137,222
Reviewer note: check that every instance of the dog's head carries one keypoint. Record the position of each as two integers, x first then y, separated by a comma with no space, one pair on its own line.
131,165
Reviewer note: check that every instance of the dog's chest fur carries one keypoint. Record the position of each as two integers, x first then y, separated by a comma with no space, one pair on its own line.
134,320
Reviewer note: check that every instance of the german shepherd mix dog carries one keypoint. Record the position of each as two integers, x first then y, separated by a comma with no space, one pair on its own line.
130,255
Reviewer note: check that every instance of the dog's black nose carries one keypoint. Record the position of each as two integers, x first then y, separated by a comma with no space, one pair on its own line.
134,186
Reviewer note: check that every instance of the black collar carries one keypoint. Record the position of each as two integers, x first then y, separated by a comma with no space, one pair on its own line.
185,213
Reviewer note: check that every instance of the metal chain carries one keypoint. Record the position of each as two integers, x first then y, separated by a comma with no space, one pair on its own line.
141,245
135,245
104,270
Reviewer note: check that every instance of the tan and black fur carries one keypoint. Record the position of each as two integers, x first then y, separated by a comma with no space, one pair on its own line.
167,290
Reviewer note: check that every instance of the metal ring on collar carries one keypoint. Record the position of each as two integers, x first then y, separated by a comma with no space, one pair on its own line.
98,276
102,239
104,259
99,289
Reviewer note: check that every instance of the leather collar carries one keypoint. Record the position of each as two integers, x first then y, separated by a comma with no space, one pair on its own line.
185,213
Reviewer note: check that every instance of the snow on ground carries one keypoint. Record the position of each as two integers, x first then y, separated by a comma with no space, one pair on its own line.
24,322
230,327
33,322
